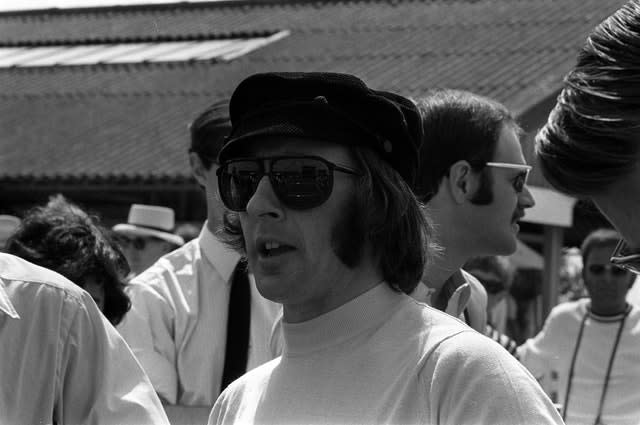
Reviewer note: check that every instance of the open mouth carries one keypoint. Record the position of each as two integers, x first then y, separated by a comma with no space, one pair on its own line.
272,249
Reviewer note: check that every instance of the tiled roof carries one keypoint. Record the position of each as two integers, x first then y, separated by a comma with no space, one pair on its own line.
130,121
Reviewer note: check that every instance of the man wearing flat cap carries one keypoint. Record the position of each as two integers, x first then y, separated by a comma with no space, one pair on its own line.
316,176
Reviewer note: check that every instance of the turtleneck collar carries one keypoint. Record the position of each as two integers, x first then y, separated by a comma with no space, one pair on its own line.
609,318
365,312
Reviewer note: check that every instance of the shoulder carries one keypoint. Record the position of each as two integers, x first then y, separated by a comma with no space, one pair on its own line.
429,324
566,310
39,280
249,386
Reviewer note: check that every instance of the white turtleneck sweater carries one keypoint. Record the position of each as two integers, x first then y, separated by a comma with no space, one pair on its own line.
549,355
384,358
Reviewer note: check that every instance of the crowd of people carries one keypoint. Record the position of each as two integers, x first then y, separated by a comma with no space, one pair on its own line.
358,273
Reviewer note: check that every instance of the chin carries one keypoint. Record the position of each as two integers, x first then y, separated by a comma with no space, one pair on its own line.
272,288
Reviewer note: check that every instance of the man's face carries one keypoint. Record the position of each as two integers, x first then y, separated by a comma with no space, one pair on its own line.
292,253
607,285
142,251
496,224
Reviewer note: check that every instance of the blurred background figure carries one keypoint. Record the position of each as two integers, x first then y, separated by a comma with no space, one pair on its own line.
147,235
8,225
62,237
586,357
496,274
188,231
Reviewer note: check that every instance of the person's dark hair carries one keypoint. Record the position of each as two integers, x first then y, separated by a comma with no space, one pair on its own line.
459,125
209,131
598,238
592,136
384,212
62,237
498,265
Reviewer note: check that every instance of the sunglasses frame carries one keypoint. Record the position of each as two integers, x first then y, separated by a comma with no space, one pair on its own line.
512,166
630,262
266,169
612,268
139,243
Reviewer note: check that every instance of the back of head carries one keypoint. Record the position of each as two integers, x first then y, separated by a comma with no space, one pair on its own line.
457,125
592,136
497,265
62,237
209,131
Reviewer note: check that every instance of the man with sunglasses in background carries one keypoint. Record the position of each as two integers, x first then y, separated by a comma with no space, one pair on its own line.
147,235
587,356
590,145
473,181
197,321
316,174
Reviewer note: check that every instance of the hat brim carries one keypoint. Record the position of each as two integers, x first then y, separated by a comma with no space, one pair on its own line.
131,229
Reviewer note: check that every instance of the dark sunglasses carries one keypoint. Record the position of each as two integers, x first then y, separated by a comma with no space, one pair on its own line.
138,242
598,269
624,258
299,182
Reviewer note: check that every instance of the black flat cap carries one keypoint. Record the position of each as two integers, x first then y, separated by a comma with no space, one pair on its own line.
326,106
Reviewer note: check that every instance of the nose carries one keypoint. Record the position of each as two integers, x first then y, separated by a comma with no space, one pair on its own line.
265,202
525,200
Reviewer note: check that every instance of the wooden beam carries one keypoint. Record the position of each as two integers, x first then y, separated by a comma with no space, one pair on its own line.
553,237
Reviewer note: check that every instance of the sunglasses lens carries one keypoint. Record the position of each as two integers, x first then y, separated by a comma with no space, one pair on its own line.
617,271
301,183
238,181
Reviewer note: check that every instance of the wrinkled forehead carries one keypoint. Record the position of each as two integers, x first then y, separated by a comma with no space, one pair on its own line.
277,145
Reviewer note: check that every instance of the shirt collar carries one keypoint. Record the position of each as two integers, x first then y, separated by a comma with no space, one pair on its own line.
222,258
5,302
457,291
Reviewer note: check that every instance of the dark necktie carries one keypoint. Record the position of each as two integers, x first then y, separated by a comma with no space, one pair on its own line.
238,325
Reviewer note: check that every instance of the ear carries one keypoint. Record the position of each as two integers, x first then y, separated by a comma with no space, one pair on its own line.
198,169
462,181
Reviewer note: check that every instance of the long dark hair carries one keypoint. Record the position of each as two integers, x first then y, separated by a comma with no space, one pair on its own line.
62,237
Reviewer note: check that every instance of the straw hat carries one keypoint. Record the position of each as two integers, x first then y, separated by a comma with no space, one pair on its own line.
150,220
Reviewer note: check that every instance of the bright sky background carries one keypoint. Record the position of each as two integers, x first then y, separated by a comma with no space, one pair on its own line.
10,5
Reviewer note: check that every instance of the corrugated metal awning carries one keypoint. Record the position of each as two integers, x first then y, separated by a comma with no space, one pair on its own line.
115,53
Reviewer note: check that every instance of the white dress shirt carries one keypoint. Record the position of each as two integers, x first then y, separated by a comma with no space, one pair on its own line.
177,324
61,361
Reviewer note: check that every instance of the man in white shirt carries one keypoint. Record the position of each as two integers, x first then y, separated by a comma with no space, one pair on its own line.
178,322
473,181
586,357
61,361
316,176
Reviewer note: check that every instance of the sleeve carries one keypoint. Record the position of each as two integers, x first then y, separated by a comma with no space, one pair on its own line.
148,328
472,380
100,381
536,353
